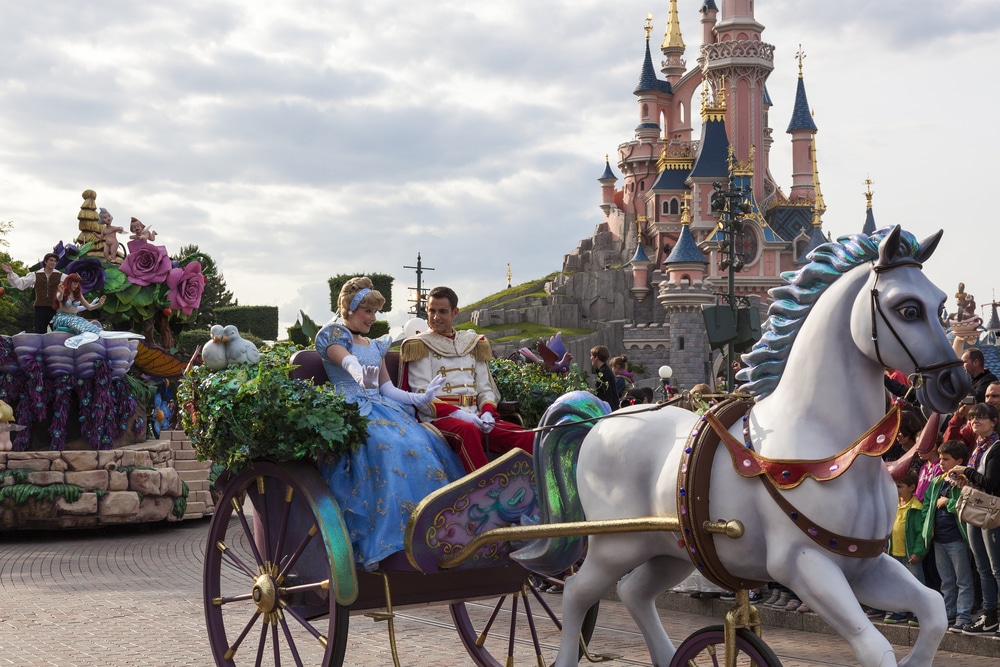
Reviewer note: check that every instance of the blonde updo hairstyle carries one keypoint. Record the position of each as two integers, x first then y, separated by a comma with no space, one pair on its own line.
373,299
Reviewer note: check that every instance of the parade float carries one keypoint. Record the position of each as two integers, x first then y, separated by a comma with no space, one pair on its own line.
90,440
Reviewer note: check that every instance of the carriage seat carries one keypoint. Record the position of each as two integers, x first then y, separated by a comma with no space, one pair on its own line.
308,365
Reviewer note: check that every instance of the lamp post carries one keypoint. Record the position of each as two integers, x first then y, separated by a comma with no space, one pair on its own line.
733,203
417,293
665,373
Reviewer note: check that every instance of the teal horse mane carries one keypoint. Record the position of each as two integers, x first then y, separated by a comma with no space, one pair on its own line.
793,302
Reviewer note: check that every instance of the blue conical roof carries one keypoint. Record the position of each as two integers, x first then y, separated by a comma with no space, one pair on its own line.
801,118
708,5
640,254
994,323
607,172
713,158
686,250
647,78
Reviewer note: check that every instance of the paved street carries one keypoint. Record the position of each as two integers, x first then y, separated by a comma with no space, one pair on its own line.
133,596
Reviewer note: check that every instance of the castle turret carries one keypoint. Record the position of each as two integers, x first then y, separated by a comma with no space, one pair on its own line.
607,181
640,266
647,90
709,12
802,128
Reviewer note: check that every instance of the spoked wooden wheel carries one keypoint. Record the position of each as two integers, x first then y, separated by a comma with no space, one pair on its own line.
707,648
275,556
522,628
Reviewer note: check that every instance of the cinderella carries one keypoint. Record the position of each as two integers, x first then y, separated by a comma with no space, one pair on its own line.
378,486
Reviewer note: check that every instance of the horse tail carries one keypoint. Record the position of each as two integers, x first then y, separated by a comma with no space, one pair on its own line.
567,421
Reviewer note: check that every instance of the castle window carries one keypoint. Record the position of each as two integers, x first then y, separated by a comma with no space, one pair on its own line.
674,206
642,185
680,343
645,112
665,207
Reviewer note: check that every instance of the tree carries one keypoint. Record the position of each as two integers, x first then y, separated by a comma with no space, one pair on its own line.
16,307
216,295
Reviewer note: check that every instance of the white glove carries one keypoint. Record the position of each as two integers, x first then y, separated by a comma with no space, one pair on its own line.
462,415
412,398
351,364
370,376
488,422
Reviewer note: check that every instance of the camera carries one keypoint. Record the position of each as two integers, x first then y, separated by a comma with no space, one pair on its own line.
969,400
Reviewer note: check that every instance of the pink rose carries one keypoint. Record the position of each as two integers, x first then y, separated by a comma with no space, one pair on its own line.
186,287
146,264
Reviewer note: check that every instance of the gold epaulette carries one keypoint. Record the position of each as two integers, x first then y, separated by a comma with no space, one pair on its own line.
482,351
411,350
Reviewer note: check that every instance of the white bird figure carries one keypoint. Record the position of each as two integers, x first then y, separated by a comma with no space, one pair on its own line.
214,351
238,350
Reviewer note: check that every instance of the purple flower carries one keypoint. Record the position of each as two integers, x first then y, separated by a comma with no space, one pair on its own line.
146,264
186,287
91,273
64,254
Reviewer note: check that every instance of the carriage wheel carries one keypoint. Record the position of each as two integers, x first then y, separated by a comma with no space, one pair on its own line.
517,629
271,573
707,647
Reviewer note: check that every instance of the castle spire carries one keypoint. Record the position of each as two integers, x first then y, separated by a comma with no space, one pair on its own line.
673,47
869,227
819,206
802,128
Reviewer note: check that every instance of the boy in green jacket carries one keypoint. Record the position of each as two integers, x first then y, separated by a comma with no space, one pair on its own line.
943,530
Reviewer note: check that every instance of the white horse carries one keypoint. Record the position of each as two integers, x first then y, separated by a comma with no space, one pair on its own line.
860,305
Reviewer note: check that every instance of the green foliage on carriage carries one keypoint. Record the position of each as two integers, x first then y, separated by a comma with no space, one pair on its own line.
258,411
261,321
533,386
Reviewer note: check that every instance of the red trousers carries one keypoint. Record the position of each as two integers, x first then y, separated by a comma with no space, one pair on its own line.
471,443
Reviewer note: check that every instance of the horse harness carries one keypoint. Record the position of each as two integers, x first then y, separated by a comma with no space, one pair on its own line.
694,478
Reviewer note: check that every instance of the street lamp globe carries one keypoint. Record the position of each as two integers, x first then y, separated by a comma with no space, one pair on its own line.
665,372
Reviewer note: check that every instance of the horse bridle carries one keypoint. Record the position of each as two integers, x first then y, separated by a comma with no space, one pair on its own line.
917,377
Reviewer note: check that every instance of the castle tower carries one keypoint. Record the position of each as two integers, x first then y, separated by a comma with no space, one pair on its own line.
738,61
709,12
607,181
682,294
640,266
802,128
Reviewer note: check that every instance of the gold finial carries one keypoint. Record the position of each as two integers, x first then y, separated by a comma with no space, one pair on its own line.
649,25
672,38
639,219
686,209
715,109
868,191
800,56
819,206
741,167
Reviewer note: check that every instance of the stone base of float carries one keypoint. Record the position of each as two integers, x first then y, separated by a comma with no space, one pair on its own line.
133,484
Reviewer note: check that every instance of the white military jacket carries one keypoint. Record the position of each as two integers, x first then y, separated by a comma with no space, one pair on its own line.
463,360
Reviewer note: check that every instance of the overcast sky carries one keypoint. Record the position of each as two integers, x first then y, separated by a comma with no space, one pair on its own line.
299,139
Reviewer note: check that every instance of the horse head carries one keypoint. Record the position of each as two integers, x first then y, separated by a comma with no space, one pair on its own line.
899,325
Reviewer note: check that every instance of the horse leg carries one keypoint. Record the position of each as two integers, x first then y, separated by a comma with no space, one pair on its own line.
889,585
821,584
639,590
606,562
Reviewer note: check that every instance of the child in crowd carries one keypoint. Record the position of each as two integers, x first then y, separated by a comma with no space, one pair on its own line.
946,533
906,543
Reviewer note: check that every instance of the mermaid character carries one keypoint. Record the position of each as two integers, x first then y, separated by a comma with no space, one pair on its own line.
69,301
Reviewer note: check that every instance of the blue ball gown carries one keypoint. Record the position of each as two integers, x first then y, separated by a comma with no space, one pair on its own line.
378,486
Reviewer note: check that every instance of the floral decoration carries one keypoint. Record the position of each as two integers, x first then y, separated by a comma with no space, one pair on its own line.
186,287
91,272
146,263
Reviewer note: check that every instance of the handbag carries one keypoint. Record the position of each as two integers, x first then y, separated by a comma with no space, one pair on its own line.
978,508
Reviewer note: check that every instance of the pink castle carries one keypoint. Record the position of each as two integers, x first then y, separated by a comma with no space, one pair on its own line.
660,216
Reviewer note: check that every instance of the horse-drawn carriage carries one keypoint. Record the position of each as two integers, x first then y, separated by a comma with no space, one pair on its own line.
797,480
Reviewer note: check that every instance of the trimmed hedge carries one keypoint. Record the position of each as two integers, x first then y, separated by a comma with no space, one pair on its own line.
261,321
